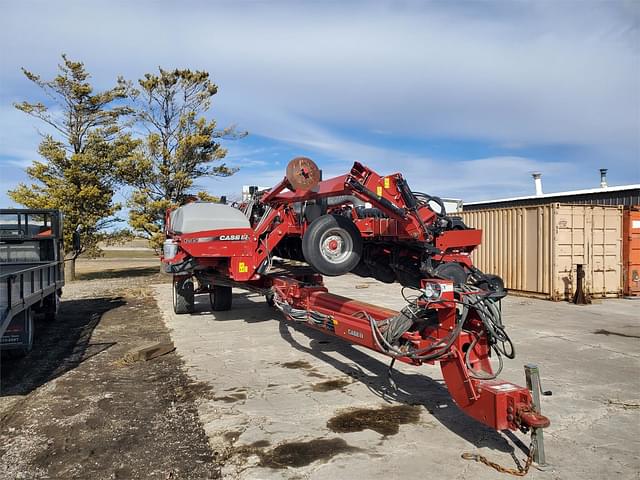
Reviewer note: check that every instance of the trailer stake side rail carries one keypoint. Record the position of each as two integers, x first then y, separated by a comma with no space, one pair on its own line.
26,288
31,273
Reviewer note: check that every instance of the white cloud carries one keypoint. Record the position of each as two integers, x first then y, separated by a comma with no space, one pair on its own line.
514,73
525,72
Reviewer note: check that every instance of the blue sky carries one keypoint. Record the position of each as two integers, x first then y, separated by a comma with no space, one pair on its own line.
466,99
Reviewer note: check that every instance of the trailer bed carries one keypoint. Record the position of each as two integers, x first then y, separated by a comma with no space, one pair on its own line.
25,285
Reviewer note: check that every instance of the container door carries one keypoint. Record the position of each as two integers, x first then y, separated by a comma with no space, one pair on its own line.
535,248
605,250
570,248
631,251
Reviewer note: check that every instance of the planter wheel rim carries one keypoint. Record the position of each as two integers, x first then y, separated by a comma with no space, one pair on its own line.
336,245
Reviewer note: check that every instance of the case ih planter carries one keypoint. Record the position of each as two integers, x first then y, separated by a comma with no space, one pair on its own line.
373,226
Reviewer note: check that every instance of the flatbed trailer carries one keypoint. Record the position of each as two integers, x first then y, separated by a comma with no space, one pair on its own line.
31,273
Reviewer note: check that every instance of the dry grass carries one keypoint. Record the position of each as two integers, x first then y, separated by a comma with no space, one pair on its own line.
106,273
129,254
116,268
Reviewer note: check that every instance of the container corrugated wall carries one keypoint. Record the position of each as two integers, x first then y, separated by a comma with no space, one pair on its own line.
631,251
536,249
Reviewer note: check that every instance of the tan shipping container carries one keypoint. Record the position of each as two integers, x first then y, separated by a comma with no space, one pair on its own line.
536,249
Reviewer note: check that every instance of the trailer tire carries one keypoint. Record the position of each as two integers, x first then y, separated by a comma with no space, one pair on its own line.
51,307
221,298
183,295
332,245
270,298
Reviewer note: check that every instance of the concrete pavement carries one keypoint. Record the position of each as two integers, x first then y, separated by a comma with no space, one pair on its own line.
284,395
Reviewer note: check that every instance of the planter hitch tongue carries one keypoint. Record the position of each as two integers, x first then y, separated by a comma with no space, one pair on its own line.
529,418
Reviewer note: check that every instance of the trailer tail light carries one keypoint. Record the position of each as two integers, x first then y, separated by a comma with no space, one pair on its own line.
170,248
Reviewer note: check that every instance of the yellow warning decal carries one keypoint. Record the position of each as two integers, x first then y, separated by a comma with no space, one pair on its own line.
242,267
387,183
379,190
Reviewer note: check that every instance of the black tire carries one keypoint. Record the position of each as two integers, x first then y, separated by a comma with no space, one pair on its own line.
270,299
456,223
494,284
332,245
221,298
51,307
452,271
182,295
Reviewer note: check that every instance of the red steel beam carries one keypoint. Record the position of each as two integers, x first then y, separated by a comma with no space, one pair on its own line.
499,404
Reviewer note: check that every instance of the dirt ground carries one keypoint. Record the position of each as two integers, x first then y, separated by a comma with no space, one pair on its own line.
73,409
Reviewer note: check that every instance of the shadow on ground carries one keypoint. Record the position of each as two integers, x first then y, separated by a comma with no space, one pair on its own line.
243,309
59,346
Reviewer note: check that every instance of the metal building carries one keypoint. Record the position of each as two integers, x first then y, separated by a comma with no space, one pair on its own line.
625,195
538,242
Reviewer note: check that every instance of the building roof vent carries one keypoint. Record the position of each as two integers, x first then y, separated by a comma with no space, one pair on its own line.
603,178
537,180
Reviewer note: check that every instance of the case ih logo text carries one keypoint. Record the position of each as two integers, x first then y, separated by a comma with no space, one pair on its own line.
234,237
355,333
228,238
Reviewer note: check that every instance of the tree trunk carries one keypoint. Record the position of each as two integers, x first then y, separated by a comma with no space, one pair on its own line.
70,270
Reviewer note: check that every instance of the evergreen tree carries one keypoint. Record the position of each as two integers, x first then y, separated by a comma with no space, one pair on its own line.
180,146
79,166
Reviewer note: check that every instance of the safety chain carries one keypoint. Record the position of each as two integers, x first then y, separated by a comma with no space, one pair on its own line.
519,472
